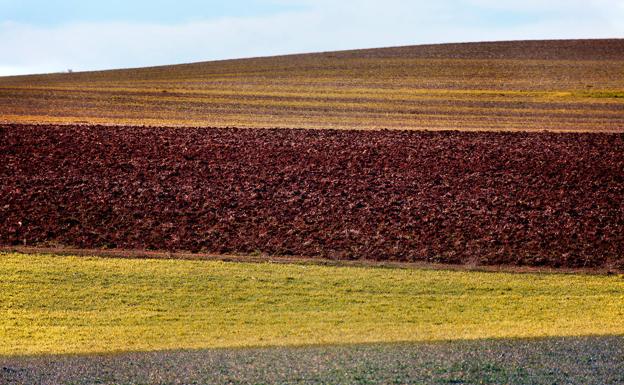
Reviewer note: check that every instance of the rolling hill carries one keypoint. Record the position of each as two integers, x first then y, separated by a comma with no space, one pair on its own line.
378,215
566,85
487,198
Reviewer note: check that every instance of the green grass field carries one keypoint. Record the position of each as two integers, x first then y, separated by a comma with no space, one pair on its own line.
547,361
54,305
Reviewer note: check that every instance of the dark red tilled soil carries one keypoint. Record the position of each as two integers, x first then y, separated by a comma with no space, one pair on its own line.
539,199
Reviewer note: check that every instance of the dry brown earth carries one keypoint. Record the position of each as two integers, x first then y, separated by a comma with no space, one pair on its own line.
538,199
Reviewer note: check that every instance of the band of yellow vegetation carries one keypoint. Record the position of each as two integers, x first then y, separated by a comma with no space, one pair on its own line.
54,304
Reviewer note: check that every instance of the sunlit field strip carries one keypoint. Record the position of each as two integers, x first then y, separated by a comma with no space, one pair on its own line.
226,105
382,105
323,112
287,90
77,305
319,119
284,90
362,99
138,118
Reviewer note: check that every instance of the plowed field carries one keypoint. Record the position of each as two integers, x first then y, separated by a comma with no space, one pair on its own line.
539,199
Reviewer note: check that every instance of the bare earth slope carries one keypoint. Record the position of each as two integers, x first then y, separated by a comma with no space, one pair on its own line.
536,85
539,199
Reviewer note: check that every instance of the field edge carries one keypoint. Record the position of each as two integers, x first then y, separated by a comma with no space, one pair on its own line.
298,260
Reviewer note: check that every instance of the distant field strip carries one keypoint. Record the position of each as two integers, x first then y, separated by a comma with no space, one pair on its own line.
77,305
557,86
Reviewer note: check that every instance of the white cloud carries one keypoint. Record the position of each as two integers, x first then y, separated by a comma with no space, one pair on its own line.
323,25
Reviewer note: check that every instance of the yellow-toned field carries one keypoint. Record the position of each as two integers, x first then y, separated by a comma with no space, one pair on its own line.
51,304
548,85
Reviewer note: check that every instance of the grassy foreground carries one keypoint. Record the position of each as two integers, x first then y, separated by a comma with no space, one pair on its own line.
548,361
79,305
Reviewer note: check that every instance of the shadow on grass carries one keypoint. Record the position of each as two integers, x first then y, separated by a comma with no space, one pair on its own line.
569,360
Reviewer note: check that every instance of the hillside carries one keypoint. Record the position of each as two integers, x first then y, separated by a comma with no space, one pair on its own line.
524,85
468,198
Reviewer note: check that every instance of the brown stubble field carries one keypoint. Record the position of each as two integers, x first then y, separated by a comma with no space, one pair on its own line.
527,86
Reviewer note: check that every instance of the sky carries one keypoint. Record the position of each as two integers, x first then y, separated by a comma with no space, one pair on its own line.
40,36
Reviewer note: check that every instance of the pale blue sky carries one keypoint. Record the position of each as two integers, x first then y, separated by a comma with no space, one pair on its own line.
41,12
48,36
